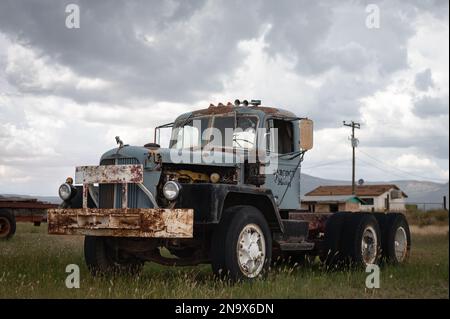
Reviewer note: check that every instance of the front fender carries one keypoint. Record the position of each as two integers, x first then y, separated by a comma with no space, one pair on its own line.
210,200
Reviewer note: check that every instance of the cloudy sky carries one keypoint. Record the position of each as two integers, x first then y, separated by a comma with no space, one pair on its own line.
66,93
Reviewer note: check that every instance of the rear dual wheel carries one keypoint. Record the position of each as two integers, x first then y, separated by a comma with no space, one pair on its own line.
396,241
361,242
361,239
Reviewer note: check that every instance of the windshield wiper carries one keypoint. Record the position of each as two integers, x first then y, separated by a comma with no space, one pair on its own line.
235,139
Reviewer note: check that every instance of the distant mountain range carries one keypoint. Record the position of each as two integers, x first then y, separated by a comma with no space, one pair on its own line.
417,191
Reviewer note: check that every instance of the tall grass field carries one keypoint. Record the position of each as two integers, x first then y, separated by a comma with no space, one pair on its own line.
33,264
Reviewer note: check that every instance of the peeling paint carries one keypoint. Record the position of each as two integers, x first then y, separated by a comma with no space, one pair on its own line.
109,174
120,222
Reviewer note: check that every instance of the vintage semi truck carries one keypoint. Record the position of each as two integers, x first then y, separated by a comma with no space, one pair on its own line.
225,192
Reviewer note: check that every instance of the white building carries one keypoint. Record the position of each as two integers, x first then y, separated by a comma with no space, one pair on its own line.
378,198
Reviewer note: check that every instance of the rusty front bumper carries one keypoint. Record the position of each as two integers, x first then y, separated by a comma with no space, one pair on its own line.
122,222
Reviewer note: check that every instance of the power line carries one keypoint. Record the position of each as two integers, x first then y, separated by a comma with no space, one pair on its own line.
398,169
391,172
325,164
381,169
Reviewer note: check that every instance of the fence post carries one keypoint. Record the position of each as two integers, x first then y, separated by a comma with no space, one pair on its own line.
445,202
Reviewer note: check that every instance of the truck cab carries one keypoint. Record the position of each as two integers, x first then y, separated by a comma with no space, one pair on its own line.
226,192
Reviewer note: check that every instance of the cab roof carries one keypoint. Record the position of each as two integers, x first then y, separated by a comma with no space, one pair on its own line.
260,111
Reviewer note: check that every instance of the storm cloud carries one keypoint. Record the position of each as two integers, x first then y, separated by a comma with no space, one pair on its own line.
135,64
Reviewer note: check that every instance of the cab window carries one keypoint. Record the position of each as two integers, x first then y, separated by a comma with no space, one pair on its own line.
281,138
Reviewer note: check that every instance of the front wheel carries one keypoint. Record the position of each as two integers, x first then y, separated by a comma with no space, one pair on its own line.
247,244
103,259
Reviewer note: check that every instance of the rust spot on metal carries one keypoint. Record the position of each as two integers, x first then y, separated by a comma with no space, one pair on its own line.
317,222
85,195
214,110
222,109
109,174
120,222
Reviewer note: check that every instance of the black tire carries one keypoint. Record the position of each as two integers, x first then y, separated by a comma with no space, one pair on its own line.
381,219
394,222
218,244
101,258
7,224
357,227
228,232
332,255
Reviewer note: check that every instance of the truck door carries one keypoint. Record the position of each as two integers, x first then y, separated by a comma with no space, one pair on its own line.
281,140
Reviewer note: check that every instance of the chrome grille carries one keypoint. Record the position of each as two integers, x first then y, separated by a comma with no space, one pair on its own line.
132,188
110,195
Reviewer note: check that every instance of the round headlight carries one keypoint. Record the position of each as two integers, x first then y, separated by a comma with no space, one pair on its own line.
65,191
171,190
215,178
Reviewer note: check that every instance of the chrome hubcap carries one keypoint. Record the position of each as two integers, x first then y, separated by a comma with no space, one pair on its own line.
400,244
369,245
251,250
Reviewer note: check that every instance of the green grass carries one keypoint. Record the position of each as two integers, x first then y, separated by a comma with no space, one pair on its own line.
32,265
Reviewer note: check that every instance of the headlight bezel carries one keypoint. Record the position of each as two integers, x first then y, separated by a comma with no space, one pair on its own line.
69,192
176,189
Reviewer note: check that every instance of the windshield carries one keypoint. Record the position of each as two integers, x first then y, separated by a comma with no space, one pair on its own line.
216,131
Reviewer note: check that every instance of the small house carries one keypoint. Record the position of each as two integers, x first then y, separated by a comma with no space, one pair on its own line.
377,197
325,204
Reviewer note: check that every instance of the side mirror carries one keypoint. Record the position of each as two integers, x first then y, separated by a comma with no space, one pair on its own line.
306,134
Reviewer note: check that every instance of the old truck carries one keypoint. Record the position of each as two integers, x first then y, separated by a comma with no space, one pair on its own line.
21,209
225,192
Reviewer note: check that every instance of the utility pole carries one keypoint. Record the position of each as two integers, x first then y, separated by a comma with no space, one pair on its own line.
355,142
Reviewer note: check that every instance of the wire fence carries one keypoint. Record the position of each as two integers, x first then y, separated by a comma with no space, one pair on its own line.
427,206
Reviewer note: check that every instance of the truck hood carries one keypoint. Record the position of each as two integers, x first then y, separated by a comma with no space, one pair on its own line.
152,159
148,157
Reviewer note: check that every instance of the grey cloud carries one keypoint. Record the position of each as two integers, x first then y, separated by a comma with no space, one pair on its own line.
298,28
194,43
434,145
338,100
182,50
438,8
431,106
331,38
321,36
424,80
